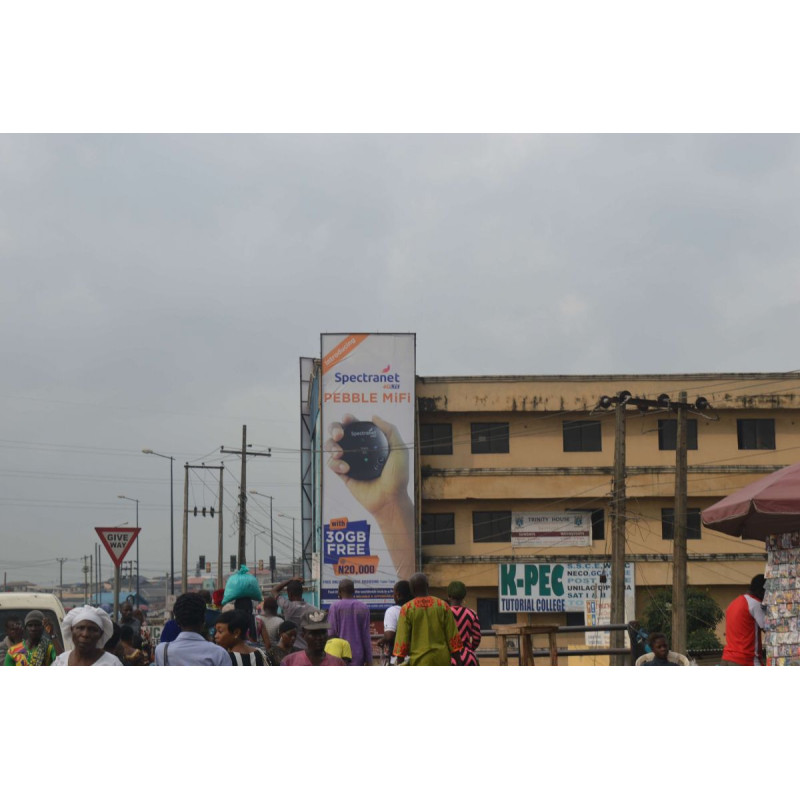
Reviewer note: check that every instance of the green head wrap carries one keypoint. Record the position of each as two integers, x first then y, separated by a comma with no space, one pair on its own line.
456,590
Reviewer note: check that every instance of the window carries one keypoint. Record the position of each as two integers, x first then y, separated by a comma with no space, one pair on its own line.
582,436
668,434
438,529
491,526
489,437
756,434
489,614
668,523
436,439
598,520
576,618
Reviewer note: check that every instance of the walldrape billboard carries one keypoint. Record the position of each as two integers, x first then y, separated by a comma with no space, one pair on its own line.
368,452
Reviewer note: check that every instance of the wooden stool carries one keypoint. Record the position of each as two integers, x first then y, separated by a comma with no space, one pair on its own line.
525,634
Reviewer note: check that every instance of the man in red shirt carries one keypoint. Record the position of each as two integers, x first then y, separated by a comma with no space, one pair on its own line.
744,621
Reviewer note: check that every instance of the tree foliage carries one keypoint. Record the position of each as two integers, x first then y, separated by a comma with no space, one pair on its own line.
702,616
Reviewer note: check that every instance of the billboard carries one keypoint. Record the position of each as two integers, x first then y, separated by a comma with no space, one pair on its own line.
567,529
369,518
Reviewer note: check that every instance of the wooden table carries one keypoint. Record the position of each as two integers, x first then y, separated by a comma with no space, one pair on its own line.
525,634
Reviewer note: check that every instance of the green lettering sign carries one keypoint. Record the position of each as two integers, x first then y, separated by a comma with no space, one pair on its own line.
508,574
558,580
544,580
531,577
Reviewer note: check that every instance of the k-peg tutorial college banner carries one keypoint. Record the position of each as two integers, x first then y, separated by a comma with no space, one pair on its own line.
368,463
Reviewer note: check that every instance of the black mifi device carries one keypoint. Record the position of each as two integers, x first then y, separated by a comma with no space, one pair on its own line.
365,448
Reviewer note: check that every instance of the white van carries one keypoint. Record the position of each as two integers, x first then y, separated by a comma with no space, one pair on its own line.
18,604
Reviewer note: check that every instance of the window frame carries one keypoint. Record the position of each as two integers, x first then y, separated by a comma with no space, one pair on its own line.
438,529
494,443
496,520
570,426
668,524
670,437
436,445
763,427
488,610
598,516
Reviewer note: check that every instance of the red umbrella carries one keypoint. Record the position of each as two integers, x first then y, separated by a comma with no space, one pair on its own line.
770,505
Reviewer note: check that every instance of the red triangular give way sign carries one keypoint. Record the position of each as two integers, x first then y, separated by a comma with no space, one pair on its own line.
117,541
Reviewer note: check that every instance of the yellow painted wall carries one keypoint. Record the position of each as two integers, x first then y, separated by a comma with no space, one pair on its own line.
537,475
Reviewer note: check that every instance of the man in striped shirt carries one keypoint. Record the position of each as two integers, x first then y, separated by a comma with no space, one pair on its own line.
744,621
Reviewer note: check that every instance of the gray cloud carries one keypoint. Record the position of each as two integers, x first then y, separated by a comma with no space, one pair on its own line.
159,290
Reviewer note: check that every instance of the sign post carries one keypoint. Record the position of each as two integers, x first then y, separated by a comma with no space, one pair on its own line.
117,542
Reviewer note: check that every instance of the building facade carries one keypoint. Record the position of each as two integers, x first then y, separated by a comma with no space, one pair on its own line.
491,451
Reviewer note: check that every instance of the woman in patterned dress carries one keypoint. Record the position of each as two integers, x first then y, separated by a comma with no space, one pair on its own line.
34,650
231,630
469,627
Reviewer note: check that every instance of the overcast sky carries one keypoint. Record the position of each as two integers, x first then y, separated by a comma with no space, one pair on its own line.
158,292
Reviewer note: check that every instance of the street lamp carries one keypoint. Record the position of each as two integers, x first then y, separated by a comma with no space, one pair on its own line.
134,500
149,452
271,543
286,516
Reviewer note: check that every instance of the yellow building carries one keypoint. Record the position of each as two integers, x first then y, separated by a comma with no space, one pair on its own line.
492,451
493,446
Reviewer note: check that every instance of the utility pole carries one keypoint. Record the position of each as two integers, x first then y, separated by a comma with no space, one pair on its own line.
219,532
185,553
243,491
271,547
618,531
185,557
679,578
243,500
294,566
85,578
679,533
61,578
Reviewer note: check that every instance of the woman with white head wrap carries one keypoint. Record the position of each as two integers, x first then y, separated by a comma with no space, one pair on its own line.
86,629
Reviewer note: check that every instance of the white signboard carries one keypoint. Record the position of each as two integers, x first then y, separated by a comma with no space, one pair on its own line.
567,529
368,525
561,587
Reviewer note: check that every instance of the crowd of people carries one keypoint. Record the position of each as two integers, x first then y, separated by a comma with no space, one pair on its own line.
419,629
283,630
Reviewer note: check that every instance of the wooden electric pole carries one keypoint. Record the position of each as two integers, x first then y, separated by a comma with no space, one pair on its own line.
679,559
243,500
219,532
618,534
243,492
678,643
61,578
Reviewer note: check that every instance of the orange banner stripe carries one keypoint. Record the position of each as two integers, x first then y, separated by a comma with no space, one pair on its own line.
342,350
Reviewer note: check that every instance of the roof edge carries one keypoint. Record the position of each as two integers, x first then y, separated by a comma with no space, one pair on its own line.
684,376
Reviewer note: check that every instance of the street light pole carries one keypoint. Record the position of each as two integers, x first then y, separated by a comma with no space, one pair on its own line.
271,540
134,500
286,516
149,452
